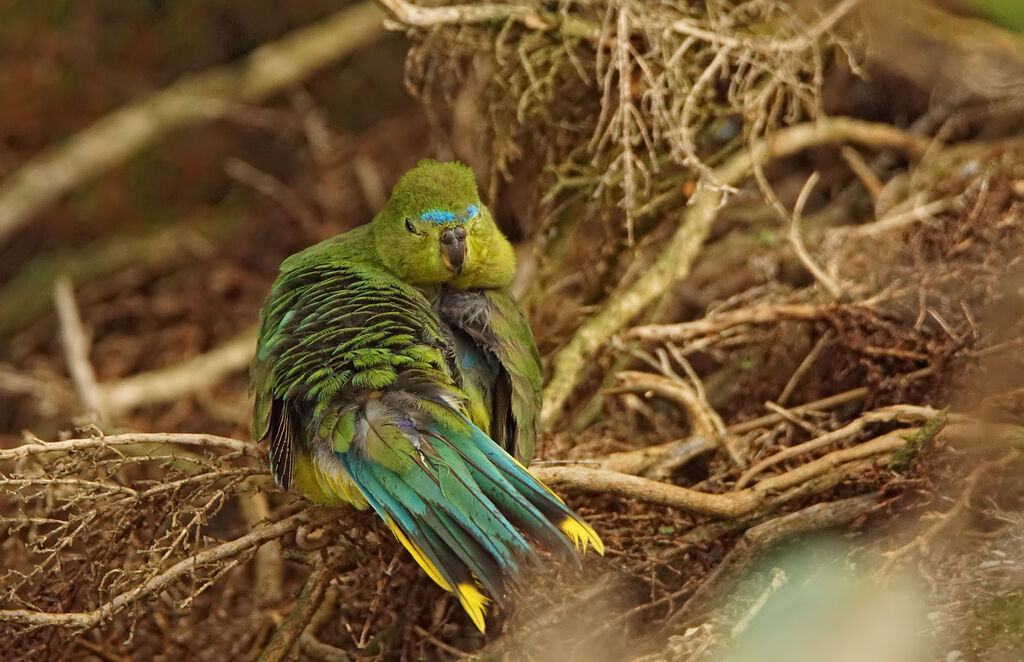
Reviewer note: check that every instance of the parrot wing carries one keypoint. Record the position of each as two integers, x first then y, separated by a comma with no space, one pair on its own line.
500,364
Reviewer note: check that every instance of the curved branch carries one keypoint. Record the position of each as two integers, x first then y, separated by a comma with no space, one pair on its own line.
198,98
675,261
728,505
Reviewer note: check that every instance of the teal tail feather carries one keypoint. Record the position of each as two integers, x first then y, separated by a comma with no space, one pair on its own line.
461,506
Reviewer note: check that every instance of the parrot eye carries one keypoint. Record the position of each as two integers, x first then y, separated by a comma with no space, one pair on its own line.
409,227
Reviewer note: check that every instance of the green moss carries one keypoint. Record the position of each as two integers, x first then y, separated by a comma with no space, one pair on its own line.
918,441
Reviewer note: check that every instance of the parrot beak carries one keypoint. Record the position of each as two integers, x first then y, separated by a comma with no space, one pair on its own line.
453,249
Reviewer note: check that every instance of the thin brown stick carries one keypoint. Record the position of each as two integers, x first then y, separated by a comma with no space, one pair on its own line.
306,605
863,171
796,44
413,15
804,366
651,461
900,220
274,189
448,648
824,403
679,392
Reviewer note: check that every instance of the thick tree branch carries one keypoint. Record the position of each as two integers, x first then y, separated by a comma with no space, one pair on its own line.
182,378
193,99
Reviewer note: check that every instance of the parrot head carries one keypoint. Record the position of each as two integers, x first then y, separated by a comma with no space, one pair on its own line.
434,229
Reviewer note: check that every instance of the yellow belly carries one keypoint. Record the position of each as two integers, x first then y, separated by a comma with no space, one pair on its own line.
330,486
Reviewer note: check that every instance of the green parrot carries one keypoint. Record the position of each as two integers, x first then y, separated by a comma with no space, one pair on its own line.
394,370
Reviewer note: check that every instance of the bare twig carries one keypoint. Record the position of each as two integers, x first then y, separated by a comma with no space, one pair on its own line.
677,391
161,444
192,100
796,44
804,366
414,15
275,189
863,171
76,349
656,461
704,420
440,644
899,220
718,322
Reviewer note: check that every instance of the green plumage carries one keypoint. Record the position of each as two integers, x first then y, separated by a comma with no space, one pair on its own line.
394,370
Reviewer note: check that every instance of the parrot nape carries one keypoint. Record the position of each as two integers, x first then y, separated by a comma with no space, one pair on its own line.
394,370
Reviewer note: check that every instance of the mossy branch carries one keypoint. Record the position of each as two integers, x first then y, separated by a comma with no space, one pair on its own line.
918,441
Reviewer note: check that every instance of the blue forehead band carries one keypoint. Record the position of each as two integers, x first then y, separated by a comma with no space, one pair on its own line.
442,216
438,216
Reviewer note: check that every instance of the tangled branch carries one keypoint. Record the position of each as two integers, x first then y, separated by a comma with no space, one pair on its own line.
156,584
676,259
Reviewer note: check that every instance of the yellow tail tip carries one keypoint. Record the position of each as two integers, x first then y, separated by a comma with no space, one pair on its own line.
418,554
474,602
581,534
